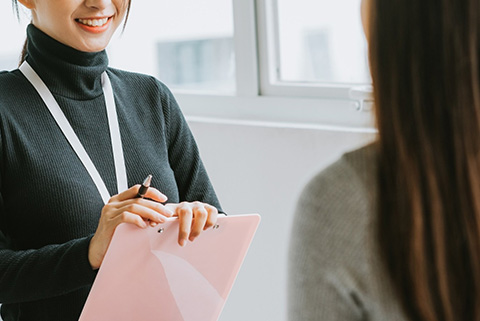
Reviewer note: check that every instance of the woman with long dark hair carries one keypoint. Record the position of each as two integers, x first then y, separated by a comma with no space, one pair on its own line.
392,231
76,139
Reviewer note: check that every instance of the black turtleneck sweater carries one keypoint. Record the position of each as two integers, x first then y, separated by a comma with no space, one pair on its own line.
49,205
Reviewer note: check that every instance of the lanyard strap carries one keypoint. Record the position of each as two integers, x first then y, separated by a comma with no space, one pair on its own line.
72,138
119,159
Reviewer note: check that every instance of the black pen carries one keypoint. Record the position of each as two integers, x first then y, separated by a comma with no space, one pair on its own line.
144,188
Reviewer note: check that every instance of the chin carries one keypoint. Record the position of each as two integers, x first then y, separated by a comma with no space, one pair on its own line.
91,47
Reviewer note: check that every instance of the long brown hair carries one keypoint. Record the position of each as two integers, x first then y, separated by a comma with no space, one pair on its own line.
23,55
424,58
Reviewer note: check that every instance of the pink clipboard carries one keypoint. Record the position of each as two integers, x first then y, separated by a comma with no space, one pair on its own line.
147,276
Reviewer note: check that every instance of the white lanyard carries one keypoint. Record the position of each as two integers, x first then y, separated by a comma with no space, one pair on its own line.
72,138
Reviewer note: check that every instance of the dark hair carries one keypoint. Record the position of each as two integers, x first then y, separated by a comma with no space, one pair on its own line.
424,57
23,55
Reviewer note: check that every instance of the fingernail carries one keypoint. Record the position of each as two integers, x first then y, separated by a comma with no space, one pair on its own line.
182,242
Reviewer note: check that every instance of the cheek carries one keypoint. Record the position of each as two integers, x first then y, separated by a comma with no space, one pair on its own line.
121,7
365,12
50,13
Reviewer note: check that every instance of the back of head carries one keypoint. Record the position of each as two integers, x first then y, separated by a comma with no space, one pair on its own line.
424,58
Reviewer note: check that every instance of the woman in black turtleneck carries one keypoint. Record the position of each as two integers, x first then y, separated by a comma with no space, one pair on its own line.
54,224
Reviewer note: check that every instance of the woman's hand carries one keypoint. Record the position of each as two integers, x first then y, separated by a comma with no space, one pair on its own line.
194,218
126,208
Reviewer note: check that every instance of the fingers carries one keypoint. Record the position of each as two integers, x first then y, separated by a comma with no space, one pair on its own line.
155,206
152,193
185,217
126,208
127,217
109,221
145,210
193,219
212,216
201,215
149,209
156,195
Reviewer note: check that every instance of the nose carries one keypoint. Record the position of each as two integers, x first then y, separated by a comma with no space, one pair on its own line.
97,4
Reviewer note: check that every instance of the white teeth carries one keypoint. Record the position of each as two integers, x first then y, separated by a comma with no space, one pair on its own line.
93,22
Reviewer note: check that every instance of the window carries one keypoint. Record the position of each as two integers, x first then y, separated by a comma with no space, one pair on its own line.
321,41
311,48
258,60
205,63
189,43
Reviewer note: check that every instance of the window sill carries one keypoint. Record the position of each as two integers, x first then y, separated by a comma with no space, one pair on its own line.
290,112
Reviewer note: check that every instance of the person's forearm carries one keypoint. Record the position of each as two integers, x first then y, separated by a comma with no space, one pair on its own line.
46,272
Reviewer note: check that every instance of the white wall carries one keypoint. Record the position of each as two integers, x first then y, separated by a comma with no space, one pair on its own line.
263,169
259,169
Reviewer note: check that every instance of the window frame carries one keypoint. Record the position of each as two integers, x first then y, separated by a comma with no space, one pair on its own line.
260,98
263,100
269,54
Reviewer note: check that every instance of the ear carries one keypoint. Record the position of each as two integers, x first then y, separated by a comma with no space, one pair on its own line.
30,4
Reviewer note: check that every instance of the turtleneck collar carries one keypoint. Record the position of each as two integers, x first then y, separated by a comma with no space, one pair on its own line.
66,71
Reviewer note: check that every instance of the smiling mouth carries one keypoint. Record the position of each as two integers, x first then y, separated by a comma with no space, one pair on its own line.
93,22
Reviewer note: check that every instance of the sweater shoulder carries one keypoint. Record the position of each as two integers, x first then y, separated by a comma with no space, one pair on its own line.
135,80
363,162
10,82
146,90
353,174
14,89
12,75
340,200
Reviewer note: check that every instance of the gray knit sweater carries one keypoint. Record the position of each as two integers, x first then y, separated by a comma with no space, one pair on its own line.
335,272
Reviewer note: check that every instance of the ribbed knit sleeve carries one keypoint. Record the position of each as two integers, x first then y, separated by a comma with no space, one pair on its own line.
183,154
44,273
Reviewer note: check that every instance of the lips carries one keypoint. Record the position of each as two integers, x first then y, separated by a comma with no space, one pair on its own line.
94,25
